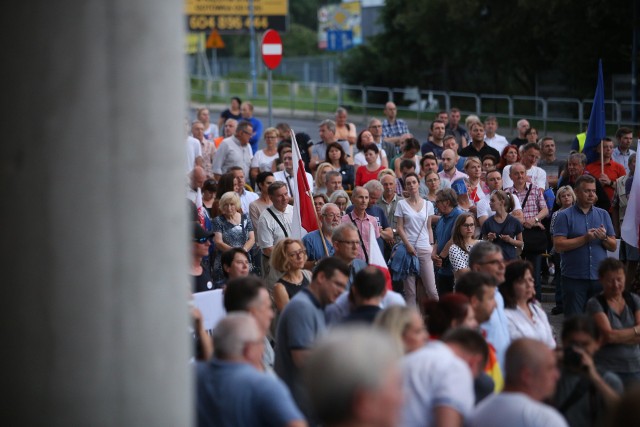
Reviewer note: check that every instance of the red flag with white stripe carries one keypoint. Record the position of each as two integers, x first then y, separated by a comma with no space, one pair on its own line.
304,213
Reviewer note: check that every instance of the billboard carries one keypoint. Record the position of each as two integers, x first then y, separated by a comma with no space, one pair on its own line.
343,20
232,16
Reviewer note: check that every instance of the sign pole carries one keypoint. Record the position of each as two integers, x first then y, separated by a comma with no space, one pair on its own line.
269,97
271,56
252,50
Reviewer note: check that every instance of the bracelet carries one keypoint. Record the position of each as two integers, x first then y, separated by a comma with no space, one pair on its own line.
635,330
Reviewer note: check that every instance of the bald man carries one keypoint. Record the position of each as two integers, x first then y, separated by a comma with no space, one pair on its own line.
531,377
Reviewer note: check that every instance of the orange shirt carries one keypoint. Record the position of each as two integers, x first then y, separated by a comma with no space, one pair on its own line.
612,169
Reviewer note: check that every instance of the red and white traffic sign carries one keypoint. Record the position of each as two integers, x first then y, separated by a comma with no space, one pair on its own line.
271,49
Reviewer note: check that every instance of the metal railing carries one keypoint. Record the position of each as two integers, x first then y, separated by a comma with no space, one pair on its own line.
369,100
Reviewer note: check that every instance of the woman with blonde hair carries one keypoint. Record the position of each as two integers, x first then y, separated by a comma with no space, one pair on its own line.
405,325
473,169
320,184
289,256
231,229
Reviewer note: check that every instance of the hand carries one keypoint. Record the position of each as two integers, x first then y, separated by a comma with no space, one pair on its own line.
405,136
528,223
540,225
437,261
604,180
506,238
591,234
491,236
601,232
587,362
474,210
411,250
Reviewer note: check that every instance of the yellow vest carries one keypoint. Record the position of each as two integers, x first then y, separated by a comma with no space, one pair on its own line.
581,137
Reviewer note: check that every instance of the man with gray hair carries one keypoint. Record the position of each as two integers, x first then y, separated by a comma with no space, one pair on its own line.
234,151
330,219
327,133
522,126
230,384
531,377
486,257
343,390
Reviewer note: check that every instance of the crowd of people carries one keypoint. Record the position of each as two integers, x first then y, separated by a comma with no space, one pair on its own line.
471,226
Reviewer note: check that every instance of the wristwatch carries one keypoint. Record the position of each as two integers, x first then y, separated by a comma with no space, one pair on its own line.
536,220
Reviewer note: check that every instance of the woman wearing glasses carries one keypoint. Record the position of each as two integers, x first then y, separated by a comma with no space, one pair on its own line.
289,257
414,228
503,229
463,240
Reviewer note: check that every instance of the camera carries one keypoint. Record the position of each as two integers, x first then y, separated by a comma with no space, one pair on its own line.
572,359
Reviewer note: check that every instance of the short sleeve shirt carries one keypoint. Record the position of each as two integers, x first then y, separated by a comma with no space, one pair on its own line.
573,222
415,226
510,226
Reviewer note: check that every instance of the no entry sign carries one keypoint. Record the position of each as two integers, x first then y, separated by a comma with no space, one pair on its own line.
271,49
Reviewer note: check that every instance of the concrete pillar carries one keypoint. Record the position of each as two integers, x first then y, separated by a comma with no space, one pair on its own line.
94,236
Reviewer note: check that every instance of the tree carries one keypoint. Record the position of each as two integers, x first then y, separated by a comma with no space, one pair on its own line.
498,46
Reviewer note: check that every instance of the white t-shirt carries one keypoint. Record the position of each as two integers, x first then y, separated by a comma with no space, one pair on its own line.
498,142
520,326
538,177
262,161
192,146
434,376
515,409
359,160
414,223
484,210
291,181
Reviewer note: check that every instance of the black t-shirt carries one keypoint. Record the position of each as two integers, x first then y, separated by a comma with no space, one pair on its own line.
511,226
470,151
518,142
203,282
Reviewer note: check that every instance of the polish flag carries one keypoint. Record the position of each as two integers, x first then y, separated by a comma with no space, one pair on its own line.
376,259
631,222
202,217
304,213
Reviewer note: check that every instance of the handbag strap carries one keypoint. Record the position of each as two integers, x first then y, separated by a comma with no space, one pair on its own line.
526,197
278,221
364,250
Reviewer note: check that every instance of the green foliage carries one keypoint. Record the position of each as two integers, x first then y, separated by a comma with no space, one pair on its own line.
305,13
300,41
493,45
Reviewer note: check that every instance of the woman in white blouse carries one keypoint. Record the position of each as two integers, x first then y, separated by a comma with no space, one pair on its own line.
524,314
414,228
462,241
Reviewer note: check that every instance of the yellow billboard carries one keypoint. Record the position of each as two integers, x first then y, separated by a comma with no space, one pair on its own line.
232,16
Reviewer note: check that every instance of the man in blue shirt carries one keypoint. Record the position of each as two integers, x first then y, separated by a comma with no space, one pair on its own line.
329,218
231,391
582,234
247,115
447,204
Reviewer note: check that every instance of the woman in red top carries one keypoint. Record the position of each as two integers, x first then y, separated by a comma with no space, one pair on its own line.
369,171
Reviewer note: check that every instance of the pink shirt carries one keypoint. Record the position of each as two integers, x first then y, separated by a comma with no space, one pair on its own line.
363,229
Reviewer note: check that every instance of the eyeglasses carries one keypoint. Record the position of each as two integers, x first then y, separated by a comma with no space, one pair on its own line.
332,216
493,262
469,225
246,132
201,240
296,254
349,242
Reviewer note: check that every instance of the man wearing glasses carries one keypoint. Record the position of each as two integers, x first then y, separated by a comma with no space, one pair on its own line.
346,244
330,219
234,151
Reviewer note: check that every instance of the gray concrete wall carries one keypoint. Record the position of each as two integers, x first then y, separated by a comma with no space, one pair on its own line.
94,237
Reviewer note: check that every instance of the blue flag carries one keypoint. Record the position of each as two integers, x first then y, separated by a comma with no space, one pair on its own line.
596,130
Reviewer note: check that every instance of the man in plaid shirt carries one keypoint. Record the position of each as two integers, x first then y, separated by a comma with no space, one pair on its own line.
394,130
534,211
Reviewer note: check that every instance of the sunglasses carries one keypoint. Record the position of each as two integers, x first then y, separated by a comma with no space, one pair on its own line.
201,240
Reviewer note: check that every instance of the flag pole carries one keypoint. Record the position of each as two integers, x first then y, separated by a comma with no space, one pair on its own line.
307,191
601,157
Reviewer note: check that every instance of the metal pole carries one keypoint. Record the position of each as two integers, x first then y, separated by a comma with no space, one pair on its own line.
252,51
269,96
